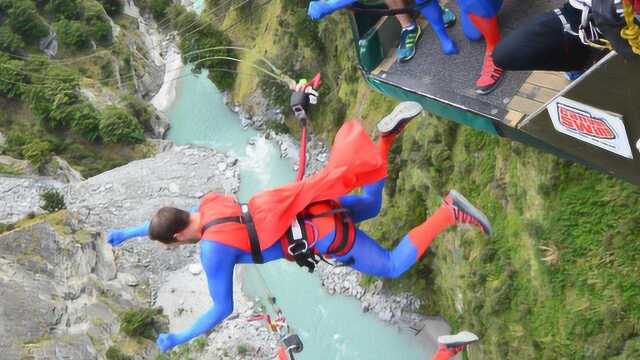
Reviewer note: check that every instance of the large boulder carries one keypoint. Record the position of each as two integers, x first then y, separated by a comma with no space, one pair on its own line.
58,291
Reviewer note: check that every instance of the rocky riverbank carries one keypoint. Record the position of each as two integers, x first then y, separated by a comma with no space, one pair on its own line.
71,249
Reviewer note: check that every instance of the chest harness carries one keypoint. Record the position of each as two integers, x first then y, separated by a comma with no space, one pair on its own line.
296,243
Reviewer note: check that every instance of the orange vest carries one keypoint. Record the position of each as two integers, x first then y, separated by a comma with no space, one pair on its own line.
274,210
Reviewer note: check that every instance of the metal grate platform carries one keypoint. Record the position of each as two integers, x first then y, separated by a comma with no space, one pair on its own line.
451,79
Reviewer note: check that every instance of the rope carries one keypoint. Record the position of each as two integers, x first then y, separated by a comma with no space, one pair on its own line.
631,32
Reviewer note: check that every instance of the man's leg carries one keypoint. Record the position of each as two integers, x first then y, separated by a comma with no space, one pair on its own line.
542,44
369,257
432,11
367,205
483,14
410,34
450,345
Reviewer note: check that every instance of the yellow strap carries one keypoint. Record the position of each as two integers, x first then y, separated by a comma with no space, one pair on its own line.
631,32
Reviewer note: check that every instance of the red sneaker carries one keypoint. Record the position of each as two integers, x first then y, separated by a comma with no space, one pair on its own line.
490,76
465,213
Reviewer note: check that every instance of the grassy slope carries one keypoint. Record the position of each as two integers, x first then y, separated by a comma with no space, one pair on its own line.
560,277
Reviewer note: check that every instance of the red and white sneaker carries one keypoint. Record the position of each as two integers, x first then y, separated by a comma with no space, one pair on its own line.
490,76
465,213
399,118
458,341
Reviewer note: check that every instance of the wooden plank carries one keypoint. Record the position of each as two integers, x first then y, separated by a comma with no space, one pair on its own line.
549,80
524,105
536,93
385,64
513,118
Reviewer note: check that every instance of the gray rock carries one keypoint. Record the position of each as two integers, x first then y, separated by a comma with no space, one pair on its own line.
60,170
3,140
160,125
20,196
58,272
128,279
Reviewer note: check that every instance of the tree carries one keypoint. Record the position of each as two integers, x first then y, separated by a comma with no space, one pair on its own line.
72,33
37,152
159,8
118,126
9,41
53,200
65,9
85,120
112,7
50,102
139,110
13,77
24,20
99,26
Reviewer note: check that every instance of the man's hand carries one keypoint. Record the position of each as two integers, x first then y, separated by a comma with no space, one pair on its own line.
319,9
166,341
116,237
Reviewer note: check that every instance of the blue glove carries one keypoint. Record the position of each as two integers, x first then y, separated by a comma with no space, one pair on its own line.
319,9
166,341
116,237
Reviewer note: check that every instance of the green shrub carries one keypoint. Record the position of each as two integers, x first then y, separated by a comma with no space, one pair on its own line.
6,227
24,20
72,34
221,71
99,26
15,78
159,8
277,127
85,121
140,323
9,41
112,7
38,153
242,349
51,104
52,200
114,353
140,110
117,126
64,9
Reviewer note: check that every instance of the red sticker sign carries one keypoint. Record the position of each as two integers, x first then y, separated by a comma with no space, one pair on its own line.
584,123
597,127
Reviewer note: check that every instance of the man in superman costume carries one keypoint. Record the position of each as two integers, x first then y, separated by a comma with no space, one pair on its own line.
301,220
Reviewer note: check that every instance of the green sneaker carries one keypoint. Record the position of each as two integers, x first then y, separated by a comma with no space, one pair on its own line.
448,17
408,40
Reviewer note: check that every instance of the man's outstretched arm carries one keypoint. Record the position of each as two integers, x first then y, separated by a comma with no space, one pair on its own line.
218,261
117,236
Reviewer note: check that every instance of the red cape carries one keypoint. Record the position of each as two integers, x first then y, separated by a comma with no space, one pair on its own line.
354,161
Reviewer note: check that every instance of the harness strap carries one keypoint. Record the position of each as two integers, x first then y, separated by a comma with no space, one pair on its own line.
565,24
342,231
244,218
256,253
298,247
222,220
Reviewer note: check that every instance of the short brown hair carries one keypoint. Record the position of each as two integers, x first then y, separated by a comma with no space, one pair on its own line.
167,222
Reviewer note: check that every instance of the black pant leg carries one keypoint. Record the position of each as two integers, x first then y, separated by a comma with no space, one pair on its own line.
542,44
